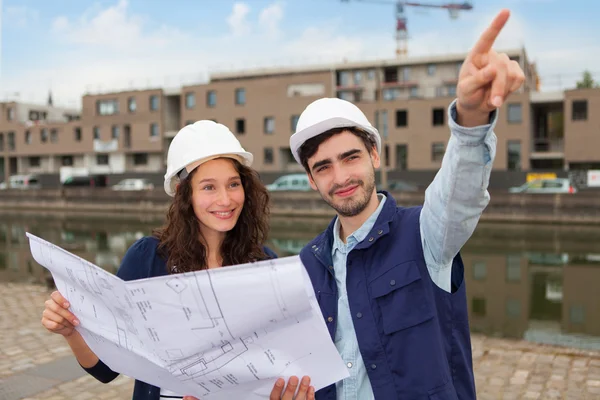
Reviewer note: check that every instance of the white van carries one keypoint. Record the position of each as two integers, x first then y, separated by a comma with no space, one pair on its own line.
24,182
292,182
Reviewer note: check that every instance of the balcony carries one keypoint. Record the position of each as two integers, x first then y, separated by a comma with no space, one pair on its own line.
546,148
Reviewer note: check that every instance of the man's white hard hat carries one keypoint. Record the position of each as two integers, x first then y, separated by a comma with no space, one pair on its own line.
197,143
325,114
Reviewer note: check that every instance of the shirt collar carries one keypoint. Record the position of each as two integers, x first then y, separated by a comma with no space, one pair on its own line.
361,233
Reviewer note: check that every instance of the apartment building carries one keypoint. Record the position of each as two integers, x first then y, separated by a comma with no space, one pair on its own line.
129,132
113,133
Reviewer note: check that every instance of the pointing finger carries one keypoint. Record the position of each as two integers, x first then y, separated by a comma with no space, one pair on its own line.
487,39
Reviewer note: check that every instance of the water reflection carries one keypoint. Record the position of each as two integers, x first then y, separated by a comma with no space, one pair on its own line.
533,282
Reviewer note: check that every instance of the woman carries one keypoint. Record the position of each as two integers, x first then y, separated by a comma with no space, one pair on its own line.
218,217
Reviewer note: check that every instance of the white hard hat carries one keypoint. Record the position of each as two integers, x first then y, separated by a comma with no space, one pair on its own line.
325,114
197,143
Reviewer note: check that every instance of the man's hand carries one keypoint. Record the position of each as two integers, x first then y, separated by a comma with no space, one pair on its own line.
486,78
281,392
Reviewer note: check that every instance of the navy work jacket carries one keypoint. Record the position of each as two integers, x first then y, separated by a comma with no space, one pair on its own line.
413,336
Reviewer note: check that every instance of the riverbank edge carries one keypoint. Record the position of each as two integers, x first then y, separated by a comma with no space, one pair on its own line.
153,211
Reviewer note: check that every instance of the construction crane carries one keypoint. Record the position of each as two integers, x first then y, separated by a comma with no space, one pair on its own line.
401,19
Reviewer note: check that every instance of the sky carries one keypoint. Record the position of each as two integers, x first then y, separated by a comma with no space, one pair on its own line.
75,46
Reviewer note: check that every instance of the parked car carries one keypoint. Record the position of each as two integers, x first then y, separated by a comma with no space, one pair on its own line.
23,182
134,184
86,181
292,182
399,186
551,186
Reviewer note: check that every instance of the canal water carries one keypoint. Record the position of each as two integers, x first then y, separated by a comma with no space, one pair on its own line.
537,282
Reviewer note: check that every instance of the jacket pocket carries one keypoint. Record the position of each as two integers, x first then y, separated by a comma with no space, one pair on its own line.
401,295
446,392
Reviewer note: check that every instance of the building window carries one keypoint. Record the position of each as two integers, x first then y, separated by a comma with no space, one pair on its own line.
35,161
154,102
211,98
190,100
479,270
67,161
390,94
10,114
1,142
53,136
579,110
401,118
154,130
343,78
438,116
131,104
240,96
406,74
294,122
431,69
11,141
126,136
371,74
27,137
478,306
513,308
269,125
346,95
44,135
390,75
357,77
577,314
77,132
107,107
114,132
414,91
451,90
514,155
37,115
437,151
513,268
102,159
240,126
96,133
268,155
402,157
514,113
140,159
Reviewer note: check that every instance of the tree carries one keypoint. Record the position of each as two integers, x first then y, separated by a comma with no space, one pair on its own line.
587,82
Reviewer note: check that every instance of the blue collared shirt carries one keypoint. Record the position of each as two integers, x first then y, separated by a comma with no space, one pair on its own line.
453,204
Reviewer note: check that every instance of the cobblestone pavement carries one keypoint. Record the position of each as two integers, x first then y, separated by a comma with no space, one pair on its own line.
35,364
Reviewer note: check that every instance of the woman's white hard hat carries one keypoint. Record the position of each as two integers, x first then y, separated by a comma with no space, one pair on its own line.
197,143
325,114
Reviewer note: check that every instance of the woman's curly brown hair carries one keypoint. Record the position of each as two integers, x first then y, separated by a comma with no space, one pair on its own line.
179,240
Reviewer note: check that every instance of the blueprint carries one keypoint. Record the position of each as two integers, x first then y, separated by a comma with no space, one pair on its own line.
216,334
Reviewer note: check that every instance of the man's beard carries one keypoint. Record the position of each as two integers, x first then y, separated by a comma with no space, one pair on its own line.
352,207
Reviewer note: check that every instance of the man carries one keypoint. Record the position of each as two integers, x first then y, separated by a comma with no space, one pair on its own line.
389,280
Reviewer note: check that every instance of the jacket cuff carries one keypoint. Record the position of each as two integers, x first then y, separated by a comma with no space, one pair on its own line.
473,135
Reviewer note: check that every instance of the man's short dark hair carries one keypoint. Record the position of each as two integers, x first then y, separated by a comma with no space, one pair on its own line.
310,147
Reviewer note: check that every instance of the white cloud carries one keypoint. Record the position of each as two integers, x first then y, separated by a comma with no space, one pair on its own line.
20,16
114,28
238,24
269,19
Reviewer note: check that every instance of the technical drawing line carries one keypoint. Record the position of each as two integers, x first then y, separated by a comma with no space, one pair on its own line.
208,274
